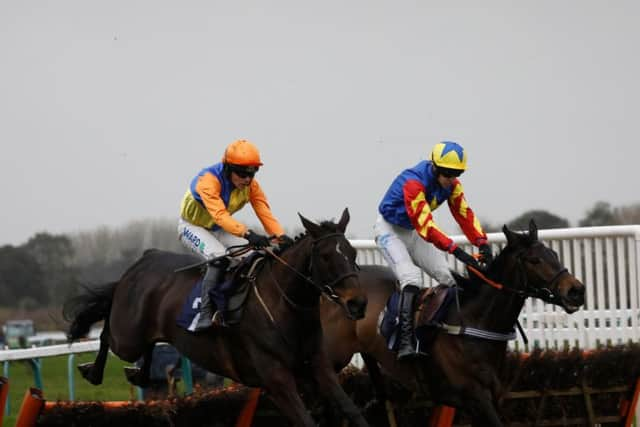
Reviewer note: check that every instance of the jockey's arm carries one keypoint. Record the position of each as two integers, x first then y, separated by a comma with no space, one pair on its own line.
263,210
419,212
209,189
465,217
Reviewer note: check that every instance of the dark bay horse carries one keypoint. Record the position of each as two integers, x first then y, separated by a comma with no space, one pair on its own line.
278,340
461,371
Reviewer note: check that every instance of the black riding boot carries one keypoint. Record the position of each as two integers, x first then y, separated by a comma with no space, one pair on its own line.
209,282
408,345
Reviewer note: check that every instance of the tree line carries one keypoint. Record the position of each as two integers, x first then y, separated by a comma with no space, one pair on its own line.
48,268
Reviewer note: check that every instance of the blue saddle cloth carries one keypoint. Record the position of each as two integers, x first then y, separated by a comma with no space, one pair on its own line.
227,294
390,324
190,313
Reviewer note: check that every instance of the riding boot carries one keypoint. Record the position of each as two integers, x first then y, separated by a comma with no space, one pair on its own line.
209,282
407,346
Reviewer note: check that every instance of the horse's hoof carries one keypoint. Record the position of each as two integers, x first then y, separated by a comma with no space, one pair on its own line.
88,373
134,376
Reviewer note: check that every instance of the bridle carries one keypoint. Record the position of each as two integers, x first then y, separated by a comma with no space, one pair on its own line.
327,289
545,293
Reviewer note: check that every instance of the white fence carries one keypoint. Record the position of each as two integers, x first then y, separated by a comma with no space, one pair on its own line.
605,259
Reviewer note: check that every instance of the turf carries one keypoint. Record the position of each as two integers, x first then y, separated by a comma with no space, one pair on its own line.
56,386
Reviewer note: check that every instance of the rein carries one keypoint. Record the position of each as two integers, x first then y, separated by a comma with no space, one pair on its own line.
327,289
232,252
529,291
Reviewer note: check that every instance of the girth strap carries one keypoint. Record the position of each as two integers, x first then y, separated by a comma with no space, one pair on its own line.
478,333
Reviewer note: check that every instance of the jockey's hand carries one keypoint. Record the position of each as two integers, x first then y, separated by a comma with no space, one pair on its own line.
466,258
284,242
257,240
486,254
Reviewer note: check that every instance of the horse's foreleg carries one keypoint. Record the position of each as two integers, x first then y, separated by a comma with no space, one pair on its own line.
141,376
379,388
330,388
282,390
376,376
483,411
94,372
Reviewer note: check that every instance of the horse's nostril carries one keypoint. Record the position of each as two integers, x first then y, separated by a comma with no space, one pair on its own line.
576,294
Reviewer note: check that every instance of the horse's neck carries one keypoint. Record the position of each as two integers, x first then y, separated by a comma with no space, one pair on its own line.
295,287
493,309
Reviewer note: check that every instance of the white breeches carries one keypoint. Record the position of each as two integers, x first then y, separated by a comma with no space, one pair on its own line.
408,255
206,243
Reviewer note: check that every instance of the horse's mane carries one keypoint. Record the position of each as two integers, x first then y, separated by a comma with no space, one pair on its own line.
471,285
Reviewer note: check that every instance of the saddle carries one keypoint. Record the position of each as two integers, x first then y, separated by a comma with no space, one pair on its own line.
433,305
232,293
236,286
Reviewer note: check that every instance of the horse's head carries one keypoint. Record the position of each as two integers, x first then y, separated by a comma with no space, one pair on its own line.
540,272
333,265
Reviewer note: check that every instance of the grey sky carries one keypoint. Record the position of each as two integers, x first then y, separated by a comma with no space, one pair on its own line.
107,109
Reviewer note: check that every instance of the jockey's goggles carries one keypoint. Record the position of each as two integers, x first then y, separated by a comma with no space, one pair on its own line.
449,173
244,171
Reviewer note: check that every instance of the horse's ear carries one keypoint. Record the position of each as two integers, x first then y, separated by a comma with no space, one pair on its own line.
314,229
533,231
344,220
512,238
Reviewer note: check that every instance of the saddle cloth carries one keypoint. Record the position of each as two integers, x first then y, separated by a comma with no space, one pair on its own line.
431,311
232,292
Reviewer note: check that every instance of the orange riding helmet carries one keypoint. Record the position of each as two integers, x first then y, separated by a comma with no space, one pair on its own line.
242,153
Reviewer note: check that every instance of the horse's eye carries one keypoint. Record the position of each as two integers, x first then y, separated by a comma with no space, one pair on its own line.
534,260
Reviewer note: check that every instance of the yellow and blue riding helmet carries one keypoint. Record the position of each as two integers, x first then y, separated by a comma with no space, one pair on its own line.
449,158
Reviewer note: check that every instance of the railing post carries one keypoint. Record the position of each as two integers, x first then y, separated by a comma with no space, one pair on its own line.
36,365
187,376
7,405
70,376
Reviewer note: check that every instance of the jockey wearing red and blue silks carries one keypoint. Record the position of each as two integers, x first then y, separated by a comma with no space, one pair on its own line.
416,193
408,237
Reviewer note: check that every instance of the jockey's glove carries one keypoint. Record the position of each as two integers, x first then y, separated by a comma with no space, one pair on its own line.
284,242
466,258
486,253
257,240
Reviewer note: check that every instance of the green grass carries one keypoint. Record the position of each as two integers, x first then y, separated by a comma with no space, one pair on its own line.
55,383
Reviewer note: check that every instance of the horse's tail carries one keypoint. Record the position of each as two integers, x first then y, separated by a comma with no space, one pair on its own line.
91,306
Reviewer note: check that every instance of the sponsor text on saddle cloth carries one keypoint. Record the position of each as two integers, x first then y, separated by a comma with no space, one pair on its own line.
231,293
431,311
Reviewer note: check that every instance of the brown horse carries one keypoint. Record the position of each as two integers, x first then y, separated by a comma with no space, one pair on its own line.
278,340
461,370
